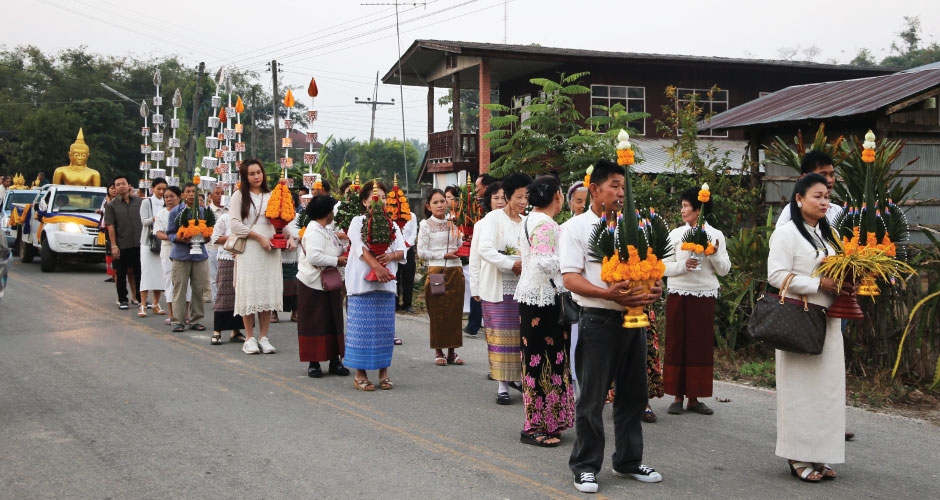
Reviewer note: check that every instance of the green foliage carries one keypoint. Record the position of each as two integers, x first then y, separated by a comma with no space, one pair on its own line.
381,159
887,183
747,250
924,315
781,153
906,52
349,208
469,109
735,202
764,372
554,137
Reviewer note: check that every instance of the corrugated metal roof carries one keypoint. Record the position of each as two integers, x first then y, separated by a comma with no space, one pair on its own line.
654,154
828,99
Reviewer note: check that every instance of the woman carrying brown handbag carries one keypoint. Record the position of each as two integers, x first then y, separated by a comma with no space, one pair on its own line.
810,389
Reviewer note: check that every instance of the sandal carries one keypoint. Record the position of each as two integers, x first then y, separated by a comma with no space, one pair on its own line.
826,471
649,417
216,338
803,471
700,408
386,384
237,337
168,321
274,318
542,439
177,328
198,327
158,310
363,384
398,341
440,361
454,360
142,312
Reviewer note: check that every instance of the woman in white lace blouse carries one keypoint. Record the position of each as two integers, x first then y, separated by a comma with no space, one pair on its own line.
546,381
690,311
438,241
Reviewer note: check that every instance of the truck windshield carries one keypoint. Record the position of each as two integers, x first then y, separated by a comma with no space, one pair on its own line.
19,197
77,201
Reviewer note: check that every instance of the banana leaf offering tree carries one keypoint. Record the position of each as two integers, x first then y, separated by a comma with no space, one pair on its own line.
631,246
349,207
191,226
696,239
378,231
870,229
467,214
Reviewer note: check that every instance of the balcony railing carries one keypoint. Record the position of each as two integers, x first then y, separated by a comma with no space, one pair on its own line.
441,147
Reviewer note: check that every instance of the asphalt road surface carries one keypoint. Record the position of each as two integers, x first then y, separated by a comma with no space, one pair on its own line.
98,403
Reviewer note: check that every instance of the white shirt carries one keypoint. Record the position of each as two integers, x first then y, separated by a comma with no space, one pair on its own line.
321,248
410,231
832,213
149,207
357,268
219,212
160,222
221,228
791,253
575,237
704,281
437,238
495,277
540,264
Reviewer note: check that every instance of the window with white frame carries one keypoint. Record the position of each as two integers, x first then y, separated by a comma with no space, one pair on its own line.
711,102
631,98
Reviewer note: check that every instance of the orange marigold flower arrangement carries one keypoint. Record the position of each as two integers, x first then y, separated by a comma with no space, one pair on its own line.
625,154
281,204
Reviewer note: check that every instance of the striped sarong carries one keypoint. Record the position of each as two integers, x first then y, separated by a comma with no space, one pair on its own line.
502,338
370,331
224,317
289,274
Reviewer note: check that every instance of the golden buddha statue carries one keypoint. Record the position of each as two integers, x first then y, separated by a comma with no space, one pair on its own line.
77,173
19,182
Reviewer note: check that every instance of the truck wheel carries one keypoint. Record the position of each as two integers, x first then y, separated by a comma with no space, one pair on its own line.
27,251
47,258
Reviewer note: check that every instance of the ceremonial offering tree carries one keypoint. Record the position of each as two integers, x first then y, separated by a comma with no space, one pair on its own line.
630,248
468,213
350,207
396,205
696,239
280,212
377,231
197,230
869,230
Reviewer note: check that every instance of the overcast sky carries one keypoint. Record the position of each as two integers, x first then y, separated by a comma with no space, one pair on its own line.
344,42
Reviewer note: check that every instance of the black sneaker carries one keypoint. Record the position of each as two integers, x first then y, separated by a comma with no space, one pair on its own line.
122,306
585,482
641,473
502,398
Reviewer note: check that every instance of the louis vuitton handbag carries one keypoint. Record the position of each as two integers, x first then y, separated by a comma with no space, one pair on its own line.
792,325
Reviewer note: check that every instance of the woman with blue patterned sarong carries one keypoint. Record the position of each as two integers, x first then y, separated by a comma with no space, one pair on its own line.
370,329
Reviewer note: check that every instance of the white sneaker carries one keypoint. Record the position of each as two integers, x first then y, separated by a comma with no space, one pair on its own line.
266,346
251,346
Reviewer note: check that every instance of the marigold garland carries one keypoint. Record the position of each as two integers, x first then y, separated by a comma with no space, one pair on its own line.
281,204
704,195
625,155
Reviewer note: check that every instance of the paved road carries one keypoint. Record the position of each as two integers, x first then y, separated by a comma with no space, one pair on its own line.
97,403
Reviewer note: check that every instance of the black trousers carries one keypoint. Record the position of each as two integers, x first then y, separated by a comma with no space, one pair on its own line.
406,279
130,259
607,352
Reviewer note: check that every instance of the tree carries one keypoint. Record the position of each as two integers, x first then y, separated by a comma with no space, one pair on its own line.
469,109
864,58
555,137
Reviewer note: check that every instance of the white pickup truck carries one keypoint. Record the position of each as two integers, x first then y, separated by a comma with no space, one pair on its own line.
61,222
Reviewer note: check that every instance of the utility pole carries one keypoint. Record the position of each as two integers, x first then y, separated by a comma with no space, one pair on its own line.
373,102
193,137
254,131
274,105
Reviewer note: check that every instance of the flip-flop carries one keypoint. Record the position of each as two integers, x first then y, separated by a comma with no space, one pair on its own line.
533,439
397,341
198,327
454,360
178,328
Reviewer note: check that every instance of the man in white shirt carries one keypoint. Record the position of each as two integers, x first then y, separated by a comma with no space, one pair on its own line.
606,352
820,163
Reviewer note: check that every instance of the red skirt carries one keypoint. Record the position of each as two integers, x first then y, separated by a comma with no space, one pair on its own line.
689,363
